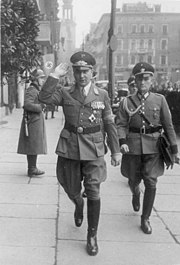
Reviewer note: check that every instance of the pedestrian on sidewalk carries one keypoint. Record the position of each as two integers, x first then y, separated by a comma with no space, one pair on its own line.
32,138
140,120
81,146
51,109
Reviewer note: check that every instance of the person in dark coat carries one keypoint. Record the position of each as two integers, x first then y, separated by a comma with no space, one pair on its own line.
138,140
32,139
81,146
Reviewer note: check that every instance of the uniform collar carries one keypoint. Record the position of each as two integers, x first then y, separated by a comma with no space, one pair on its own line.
140,96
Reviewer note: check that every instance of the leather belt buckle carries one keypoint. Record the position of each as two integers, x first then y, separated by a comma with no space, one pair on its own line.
143,130
80,130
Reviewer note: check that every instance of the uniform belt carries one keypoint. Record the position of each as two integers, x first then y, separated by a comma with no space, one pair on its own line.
82,130
144,130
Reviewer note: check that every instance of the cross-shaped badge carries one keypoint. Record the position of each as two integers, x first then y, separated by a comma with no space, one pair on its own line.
92,118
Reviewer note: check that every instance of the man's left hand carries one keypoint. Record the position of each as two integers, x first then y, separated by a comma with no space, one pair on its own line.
115,159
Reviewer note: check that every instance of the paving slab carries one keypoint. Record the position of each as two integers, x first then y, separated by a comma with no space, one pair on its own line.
27,255
37,211
119,253
28,194
170,203
118,228
27,232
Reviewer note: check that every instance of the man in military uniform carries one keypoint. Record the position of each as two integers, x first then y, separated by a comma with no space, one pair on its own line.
81,146
131,85
138,138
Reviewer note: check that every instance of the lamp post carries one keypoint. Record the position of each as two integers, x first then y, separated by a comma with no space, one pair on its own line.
112,41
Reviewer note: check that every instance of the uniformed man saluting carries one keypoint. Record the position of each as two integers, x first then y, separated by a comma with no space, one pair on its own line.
81,146
138,138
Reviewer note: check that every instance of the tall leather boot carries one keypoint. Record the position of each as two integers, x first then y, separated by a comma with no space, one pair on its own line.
135,196
93,212
78,213
148,202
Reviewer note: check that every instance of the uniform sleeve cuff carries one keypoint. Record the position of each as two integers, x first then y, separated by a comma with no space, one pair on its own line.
122,141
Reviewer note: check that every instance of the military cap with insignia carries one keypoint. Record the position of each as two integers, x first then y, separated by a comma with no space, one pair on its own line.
131,80
83,60
143,68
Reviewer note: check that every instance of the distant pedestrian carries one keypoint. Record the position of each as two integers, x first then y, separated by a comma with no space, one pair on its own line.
81,146
140,120
32,139
51,109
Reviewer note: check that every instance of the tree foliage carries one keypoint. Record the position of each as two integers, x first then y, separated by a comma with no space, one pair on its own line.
19,29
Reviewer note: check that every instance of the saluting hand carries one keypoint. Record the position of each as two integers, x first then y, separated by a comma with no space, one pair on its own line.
61,70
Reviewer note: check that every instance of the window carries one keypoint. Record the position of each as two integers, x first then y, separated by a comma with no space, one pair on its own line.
120,29
165,29
142,28
120,44
163,60
133,59
141,58
149,59
141,44
151,28
134,28
163,44
133,45
150,44
119,59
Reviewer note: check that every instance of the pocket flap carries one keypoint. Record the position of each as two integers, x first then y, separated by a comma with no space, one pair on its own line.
65,134
97,138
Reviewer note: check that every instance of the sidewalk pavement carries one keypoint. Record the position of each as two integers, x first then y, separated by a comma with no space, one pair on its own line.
36,217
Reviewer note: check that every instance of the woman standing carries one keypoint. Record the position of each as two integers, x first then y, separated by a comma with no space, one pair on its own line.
32,139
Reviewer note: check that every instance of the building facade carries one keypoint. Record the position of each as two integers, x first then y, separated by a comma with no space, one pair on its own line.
143,34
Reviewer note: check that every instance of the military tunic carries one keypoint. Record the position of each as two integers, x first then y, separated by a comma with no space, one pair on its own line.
94,110
155,109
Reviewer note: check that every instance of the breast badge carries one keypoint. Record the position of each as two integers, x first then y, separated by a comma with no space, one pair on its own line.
92,118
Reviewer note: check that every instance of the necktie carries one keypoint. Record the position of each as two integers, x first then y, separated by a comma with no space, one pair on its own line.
83,93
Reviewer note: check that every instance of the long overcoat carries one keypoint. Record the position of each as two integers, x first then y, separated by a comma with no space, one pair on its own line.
94,110
35,143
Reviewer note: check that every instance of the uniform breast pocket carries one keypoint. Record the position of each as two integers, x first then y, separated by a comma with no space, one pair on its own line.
155,113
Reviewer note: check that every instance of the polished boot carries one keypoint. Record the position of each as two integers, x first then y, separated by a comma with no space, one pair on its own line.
93,211
135,197
136,202
148,202
78,213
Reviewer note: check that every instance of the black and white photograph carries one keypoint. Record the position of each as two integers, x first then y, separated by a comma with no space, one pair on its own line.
90,132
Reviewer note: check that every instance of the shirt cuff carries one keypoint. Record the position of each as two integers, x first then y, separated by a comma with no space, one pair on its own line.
122,141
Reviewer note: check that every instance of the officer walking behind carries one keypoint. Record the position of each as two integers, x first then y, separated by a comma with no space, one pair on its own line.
138,138
32,139
131,85
81,146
